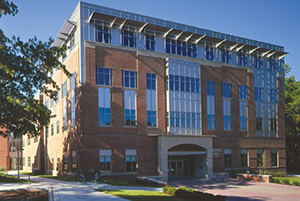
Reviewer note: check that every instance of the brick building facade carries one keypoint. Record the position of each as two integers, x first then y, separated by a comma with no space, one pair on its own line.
149,97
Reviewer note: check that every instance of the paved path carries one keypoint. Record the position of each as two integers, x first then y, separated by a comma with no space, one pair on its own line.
70,191
240,190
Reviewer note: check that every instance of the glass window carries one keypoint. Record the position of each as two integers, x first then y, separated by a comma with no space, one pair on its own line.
272,65
274,157
273,95
225,56
227,114
227,158
74,159
209,53
128,38
260,157
186,84
151,99
65,116
259,124
51,103
226,90
131,164
65,160
242,59
258,63
181,48
243,115
273,125
64,89
244,158
129,79
29,161
103,34
104,106
210,104
130,116
103,76
47,131
52,129
73,109
58,163
72,82
105,164
57,96
47,104
258,93
57,127
150,42
243,92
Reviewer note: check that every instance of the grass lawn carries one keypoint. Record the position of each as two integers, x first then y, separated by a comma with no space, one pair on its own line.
142,195
11,179
120,182
51,177
291,179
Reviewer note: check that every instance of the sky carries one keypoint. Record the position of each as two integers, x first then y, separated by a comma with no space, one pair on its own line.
271,21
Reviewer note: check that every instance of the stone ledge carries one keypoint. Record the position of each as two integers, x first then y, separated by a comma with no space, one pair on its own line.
254,177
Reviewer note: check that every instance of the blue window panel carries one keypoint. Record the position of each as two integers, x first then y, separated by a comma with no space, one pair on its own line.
258,93
72,82
242,92
258,63
182,82
210,121
103,76
210,88
243,123
150,42
130,119
57,96
129,79
64,91
226,90
227,122
103,34
176,83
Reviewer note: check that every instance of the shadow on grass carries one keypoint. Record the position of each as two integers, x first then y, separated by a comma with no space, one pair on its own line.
50,176
142,195
11,179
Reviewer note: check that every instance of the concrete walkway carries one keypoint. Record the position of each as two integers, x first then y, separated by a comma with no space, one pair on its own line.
70,191
241,190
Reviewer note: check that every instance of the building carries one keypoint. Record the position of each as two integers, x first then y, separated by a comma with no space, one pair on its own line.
150,97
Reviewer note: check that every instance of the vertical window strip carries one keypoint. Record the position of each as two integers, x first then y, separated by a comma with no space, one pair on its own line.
243,92
64,89
151,99
130,113
227,158
73,109
226,114
65,118
244,158
104,105
72,82
210,105
128,38
243,115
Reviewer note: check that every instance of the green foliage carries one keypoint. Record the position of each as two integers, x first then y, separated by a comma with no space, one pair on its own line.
292,122
295,183
276,174
24,70
169,190
286,181
2,168
276,181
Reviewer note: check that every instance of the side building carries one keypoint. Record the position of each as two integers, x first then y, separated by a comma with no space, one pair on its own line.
150,97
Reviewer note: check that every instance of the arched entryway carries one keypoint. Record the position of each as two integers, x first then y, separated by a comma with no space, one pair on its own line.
185,156
186,161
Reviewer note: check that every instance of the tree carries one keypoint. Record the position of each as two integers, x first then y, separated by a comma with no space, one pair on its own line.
292,121
24,70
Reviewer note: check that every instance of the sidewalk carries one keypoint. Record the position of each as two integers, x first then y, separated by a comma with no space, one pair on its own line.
70,191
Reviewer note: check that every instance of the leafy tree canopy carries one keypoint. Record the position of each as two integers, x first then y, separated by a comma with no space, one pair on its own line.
24,70
292,121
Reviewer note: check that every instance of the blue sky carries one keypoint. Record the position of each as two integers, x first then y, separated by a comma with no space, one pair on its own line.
270,21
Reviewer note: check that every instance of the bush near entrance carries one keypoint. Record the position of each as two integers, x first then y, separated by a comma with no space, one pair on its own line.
193,195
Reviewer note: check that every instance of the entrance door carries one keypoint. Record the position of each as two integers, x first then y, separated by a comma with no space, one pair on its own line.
181,168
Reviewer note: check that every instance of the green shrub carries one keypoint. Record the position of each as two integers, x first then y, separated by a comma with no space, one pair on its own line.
276,174
169,190
286,181
191,194
2,168
276,181
295,183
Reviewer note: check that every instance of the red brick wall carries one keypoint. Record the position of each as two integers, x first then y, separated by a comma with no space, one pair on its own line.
235,139
118,137
4,151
